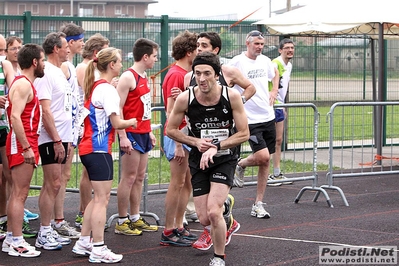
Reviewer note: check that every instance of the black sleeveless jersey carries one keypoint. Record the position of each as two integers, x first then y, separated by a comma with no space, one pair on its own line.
202,118
215,122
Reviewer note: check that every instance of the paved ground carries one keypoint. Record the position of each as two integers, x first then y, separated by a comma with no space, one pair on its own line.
291,237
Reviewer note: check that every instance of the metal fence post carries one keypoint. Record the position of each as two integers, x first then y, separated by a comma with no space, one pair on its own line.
27,27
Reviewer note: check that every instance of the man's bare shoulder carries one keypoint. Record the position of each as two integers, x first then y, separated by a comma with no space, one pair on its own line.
7,67
20,87
182,100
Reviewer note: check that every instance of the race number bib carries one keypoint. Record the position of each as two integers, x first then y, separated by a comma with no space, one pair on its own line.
68,98
216,135
146,99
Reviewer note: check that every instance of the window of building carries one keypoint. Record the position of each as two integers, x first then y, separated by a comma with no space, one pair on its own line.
35,9
52,10
21,8
131,11
118,10
85,10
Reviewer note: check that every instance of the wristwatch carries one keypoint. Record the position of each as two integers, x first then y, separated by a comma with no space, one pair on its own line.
243,99
216,143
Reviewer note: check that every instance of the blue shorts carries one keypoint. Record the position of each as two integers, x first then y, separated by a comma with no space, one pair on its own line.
99,166
279,114
169,147
140,142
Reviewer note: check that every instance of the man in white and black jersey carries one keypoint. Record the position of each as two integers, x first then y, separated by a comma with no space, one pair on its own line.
259,69
212,110
228,76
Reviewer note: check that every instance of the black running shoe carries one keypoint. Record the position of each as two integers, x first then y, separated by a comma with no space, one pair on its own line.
27,232
186,234
174,239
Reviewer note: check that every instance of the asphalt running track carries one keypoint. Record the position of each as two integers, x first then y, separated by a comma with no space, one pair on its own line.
292,235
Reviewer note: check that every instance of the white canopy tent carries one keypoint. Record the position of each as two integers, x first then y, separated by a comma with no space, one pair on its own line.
376,19
339,17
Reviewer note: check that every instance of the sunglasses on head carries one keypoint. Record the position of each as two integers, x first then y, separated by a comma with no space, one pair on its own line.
255,33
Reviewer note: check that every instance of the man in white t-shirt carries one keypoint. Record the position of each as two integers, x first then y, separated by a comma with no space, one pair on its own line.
55,95
75,39
259,69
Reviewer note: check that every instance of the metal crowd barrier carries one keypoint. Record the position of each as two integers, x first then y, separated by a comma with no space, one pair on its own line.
302,121
362,140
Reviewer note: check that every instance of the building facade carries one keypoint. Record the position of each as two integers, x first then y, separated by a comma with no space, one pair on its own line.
85,8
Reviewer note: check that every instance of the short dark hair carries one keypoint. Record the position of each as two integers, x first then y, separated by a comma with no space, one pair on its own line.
183,43
27,53
214,39
208,58
284,42
142,47
52,39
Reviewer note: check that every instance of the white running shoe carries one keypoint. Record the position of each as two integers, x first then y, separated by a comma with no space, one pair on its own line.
62,240
272,178
217,262
23,250
185,222
283,178
47,241
82,248
5,247
65,230
258,211
105,255
192,217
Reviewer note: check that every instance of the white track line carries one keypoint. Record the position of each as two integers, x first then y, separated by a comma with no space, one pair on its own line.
304,241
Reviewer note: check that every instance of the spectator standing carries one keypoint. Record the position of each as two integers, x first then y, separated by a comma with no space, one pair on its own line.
259,69
284,67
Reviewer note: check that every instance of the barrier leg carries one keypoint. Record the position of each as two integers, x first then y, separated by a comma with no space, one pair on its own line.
318,191
111,219
145,195
339,191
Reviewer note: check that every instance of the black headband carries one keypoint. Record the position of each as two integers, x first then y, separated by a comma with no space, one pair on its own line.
200,61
